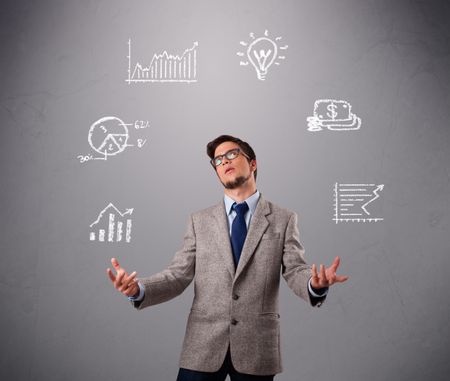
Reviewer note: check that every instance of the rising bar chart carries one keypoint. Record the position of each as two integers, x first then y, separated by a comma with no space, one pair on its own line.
112,226
165,67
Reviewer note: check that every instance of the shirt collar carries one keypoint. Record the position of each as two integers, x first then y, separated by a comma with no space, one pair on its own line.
251,201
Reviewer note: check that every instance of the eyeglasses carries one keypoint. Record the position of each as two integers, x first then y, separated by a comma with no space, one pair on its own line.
230,155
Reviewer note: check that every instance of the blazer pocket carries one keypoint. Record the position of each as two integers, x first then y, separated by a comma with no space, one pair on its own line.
275,235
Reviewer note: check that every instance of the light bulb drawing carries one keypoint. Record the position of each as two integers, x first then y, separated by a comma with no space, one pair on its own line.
262,52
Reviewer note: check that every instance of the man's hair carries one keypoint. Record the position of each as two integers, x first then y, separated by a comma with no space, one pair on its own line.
244,146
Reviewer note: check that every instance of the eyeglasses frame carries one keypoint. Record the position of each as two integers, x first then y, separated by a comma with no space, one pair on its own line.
239,151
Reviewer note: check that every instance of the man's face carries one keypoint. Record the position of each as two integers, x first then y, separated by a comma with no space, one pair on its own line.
233,173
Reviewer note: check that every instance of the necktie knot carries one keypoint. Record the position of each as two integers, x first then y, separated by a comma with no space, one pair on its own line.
240,209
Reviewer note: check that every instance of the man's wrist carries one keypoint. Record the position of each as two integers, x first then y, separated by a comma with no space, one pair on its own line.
317,292
138,296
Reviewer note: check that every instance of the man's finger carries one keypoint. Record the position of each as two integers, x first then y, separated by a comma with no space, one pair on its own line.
115,263
323,277
127,281
133,290
314,273
133,275
130,286
335,263
111,275
119,278
341,278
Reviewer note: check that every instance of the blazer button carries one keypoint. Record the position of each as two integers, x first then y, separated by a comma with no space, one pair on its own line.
234,321
235,296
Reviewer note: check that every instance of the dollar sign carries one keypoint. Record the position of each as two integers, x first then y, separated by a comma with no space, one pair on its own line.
332,108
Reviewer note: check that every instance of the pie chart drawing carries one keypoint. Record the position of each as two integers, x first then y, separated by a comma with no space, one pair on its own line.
108,136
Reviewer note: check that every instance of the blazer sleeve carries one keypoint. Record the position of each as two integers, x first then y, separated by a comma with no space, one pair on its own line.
174,279
295,270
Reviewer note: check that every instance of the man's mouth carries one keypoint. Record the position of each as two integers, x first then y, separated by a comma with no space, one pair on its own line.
229,170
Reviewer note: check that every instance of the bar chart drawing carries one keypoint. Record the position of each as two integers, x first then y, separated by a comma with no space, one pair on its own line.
112,225
165,67
351,202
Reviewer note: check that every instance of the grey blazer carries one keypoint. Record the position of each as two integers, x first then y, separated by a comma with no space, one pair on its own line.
234,307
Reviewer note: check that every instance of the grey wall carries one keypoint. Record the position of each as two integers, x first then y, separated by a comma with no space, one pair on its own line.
64,65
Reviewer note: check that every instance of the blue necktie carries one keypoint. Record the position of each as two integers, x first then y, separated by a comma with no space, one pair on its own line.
238,231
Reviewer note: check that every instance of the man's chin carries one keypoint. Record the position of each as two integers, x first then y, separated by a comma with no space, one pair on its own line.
236,183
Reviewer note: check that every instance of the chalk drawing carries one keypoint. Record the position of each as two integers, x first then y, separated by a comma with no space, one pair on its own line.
262,52
111,225
165,67
334,115
351,202
110,135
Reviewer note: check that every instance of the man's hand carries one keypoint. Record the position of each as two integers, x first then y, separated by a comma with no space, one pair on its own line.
326,277
123,282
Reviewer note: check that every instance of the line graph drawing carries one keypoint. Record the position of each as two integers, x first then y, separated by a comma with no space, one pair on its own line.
262,52
165,67
351,202
333,114
111,225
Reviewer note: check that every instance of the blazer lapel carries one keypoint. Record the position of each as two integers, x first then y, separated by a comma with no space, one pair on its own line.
223,237
258,226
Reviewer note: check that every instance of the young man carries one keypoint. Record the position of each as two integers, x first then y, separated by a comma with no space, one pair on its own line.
234,251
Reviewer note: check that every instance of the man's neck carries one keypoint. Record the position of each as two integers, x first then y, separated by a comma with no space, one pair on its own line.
242,193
